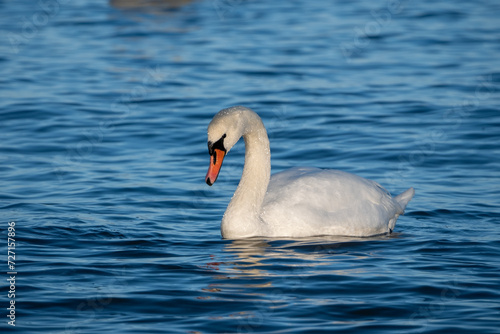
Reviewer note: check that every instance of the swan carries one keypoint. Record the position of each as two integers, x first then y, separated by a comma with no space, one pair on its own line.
299,202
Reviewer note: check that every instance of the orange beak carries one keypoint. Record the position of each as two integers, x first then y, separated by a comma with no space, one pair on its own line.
214,167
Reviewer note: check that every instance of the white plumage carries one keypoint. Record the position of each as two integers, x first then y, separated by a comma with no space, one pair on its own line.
298,202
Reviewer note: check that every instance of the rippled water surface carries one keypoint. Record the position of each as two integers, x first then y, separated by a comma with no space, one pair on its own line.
103,115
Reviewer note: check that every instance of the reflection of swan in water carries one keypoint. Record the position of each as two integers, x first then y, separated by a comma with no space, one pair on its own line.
256,257
276,274
159,4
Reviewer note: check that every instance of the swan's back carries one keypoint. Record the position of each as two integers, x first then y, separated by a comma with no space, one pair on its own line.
302,202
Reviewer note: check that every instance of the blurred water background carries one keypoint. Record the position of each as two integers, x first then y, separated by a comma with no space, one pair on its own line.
103,115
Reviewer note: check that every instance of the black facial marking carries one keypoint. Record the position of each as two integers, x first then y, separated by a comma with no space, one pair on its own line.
219,144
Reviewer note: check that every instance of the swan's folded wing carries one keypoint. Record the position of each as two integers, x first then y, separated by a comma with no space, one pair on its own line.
301,200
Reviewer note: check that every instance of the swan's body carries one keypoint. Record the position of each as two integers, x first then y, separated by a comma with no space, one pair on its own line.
298,202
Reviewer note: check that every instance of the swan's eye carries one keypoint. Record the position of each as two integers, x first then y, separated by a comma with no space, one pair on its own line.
219,144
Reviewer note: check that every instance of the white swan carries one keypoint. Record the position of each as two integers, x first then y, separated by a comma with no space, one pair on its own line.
299,202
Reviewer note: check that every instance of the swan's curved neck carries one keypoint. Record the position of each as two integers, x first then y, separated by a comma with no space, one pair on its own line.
242,217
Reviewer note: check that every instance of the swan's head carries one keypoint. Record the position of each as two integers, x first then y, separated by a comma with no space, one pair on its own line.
225,129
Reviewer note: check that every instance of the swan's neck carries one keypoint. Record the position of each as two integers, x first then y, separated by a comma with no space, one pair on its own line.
242,217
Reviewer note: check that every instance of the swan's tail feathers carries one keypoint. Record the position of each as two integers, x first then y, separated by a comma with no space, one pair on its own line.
404,198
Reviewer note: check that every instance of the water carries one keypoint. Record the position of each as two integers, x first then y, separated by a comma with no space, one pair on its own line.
104,108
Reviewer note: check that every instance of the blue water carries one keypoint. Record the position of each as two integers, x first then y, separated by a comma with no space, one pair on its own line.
103,115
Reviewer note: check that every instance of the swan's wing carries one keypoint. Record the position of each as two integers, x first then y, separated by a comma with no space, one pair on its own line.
301,200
